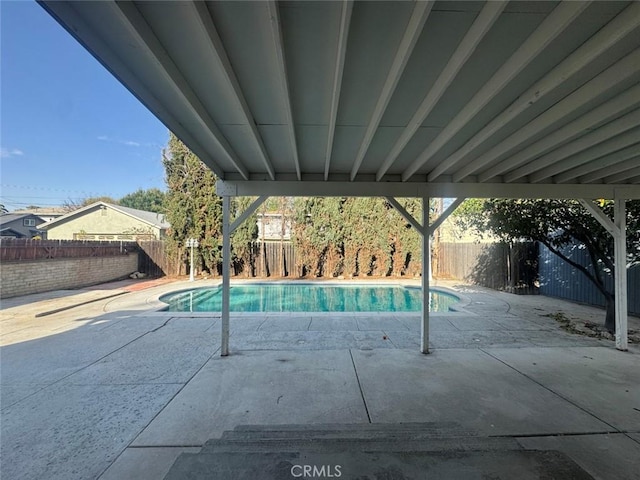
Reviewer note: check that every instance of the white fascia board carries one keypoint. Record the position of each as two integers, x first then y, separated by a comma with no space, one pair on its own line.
422,190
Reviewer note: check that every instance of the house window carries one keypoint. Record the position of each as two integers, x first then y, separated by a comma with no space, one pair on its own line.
29,222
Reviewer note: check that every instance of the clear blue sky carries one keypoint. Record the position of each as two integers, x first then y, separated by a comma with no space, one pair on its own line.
69,130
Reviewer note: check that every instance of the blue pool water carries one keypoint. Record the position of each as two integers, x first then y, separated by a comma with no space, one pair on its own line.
301,297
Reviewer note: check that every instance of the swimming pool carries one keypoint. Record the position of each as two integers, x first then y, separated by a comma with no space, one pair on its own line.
305,297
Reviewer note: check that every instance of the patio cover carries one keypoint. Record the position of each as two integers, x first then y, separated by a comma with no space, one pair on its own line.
398,98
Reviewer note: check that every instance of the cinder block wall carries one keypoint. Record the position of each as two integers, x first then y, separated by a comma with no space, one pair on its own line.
35,276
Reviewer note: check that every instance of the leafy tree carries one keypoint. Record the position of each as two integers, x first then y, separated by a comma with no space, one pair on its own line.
560,225
317,235
366,232
359,225
405,240
151,200
355,236
192,207
243,238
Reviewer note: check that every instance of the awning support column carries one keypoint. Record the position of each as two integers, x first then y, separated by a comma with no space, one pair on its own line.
426,231
426,272
423,229
618,229
227,229
620,249
226,273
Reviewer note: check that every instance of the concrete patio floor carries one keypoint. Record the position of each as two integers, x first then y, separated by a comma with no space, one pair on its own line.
112,389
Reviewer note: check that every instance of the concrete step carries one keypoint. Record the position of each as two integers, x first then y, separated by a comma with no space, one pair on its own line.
360,427
432,436
391,451
394,444
507,465
352,431
318,435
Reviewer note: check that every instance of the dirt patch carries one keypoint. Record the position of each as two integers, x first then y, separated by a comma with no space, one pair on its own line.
589,329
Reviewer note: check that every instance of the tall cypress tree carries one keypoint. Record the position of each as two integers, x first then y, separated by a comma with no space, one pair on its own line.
244,237
192,207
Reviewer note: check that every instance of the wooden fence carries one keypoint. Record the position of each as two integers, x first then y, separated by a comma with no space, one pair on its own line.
275,259
494,265
269,259
16,249
153,259
498,266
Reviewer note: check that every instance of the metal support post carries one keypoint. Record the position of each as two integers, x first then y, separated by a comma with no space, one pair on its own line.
426,269
226,272
620,253
618,230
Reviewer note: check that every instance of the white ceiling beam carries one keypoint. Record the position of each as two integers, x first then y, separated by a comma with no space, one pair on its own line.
624,176
482,24
549,29
591,121
596,159
616,173
619,72
599,135
413,30
131,18
582,163
278,44
421,189
617,29
634,180
205,22
606,38
343,36
603,166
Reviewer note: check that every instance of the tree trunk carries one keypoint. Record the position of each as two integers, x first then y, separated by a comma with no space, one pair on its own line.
596,278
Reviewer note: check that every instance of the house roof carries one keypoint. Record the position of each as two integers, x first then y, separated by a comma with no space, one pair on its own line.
151,218
441,98
6,232
46,211
12,217
156,219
